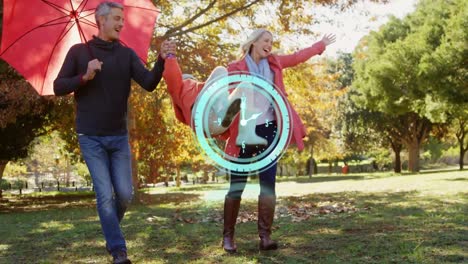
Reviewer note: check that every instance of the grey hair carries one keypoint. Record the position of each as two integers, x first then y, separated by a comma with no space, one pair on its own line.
254,36
104,9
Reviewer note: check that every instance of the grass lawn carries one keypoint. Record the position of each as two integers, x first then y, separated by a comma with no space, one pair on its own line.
361,218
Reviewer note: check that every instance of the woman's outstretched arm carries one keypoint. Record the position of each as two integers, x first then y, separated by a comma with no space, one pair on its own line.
303,55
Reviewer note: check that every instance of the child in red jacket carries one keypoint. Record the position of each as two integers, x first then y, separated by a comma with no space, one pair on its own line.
184,90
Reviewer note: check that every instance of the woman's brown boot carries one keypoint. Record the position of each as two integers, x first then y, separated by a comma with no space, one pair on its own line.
231,209
266,213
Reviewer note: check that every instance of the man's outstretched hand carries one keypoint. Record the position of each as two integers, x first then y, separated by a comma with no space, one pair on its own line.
168,47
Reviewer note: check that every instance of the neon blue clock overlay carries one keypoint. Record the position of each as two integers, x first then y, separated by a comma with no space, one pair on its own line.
200,120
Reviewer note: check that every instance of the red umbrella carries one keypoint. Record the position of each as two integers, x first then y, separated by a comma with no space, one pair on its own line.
37,34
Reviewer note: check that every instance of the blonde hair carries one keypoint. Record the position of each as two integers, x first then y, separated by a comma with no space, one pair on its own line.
254,36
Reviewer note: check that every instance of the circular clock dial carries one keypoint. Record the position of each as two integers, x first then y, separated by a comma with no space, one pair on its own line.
207,118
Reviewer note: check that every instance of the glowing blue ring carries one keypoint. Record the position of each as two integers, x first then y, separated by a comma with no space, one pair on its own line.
243,160
202,102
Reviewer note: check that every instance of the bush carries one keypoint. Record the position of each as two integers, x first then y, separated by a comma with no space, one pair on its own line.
4,184
18,184
450,156
434,149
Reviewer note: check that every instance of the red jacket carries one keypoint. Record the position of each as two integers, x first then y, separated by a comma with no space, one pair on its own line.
183,92
277,64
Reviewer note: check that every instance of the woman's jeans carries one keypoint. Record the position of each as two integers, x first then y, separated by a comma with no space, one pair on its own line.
267,177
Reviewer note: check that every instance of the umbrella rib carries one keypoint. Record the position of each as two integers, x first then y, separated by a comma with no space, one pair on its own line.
26,33
85,19
53,24
82,4
91,9
83,37
62,35
89,23
56,7
80,31
90,14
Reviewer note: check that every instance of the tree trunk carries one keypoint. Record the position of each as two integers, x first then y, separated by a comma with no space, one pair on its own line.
3,164
414,131
205,176
462,155
461,134
135,179
413,156
153,172
396,147
397,165
68,174
166,180
309,168
178,176
311,163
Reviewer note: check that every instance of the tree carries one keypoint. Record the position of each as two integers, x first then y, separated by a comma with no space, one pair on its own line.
364,131
313,93
460,130
446,72
23,117
82,170
158,141
48,155
390,67
23,114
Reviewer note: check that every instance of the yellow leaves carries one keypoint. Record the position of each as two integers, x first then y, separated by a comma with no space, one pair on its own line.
159,141
314,94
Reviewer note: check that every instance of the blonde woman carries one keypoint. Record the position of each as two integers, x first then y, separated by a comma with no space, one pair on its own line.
257,58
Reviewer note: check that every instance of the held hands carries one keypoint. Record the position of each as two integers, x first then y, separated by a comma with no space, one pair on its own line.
93,67
168,47
329,39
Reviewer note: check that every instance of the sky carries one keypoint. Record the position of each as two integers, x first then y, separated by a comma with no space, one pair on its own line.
351,25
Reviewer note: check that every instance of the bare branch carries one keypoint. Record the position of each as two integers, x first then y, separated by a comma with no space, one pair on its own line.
167,35
192,19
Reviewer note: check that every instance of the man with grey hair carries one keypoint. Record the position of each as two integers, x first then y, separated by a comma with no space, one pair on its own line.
99,74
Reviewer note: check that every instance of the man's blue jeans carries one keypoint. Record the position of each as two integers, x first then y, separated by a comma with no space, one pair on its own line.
109,162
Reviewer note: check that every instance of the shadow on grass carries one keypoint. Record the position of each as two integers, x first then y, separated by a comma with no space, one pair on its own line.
458,179
198,187
87,200
210,187
431,171
29,203
167,198
400,227
331,178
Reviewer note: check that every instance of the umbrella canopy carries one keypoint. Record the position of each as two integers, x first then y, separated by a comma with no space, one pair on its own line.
37,34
